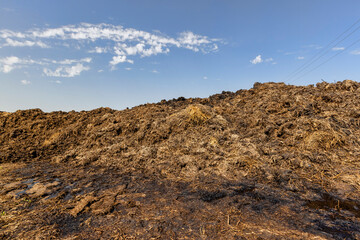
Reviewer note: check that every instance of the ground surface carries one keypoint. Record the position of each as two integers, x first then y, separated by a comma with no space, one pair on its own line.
272,162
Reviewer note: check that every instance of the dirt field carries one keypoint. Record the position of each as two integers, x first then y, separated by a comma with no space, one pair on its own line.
273,162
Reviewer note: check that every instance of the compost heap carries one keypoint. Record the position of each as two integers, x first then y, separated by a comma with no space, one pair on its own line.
273,162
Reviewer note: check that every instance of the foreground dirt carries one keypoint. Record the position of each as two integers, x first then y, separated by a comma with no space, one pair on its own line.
273,162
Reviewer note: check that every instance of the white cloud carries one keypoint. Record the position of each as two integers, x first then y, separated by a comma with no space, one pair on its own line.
71,71
10,60
13,43
154,71
355,52
101,70
128,69
46,61
8,64
300,58
314,46
25,82
56,81
123,50
125,41
192,41
131,50
72,61
205,77
5,33
338,48
256,60
99,50
6,68
120,59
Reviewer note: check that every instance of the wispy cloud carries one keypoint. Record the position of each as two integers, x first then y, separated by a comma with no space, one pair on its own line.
313,46
257,60
25,82
63,69
123,43
300,58
70,71
119,59
355,52
56,81
205,77
99,50
69,61
338,48
8,64
196,42
155,71
26,43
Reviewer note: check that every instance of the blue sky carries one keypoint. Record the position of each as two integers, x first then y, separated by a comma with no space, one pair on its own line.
80,55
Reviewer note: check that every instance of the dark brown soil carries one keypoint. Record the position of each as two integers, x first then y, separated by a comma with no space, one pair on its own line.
273,162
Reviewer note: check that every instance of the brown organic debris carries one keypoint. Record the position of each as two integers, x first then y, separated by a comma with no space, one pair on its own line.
273,162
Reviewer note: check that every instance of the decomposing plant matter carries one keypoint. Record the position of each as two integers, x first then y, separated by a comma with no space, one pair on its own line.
276,161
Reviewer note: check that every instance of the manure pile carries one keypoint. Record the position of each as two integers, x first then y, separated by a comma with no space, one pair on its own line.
273,162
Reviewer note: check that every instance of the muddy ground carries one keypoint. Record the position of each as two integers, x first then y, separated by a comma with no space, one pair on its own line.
273,162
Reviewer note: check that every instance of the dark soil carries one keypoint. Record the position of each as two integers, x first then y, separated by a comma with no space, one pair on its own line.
273,162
